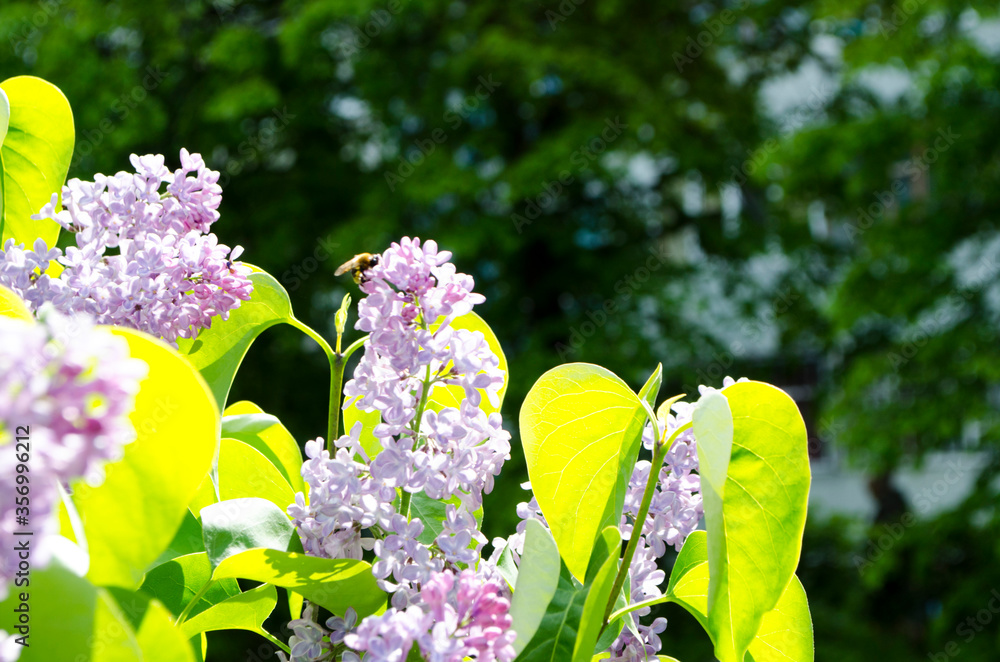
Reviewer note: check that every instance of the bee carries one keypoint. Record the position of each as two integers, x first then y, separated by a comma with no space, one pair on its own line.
358,266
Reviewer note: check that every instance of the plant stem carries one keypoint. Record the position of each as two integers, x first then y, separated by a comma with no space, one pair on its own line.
274,640
187,610
354,347
337,362
336,391
659,452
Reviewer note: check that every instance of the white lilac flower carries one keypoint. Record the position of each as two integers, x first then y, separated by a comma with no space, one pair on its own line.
68,388
142,259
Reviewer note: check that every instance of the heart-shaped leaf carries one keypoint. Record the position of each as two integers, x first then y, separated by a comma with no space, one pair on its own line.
131,518
580,424
785,634
35,154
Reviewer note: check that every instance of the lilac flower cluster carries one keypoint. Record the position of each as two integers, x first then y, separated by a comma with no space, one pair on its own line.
69,388
462,618
445,453
143,258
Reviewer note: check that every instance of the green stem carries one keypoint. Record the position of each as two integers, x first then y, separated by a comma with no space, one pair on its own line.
354,346
336,383
635,606
336,392
274,640
659,452
194,601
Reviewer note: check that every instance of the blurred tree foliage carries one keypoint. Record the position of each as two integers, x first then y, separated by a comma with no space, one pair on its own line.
804,193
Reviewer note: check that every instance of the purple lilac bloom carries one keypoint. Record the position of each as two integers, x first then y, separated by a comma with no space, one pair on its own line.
463,617
72,386
412,295
142,259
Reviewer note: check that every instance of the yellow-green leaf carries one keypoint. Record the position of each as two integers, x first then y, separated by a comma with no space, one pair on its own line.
11,305
245,472
579,426
133,515
36,154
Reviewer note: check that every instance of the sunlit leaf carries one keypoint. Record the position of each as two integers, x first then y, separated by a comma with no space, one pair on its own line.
580,425
268,436
785,634
444,395
572,612
159,639
36,154
756,517
131,518
246,611
11,305
335,584
245,472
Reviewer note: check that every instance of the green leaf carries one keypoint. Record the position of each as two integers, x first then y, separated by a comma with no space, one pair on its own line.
269,436
664,409
335,584
233,526
4,123
446,395
204,497
246,611
218,351
369,419
537,582
600,581
176,582
36,154
651,388
713,428
580,425
432,514
160,640
11,305
245,472
507,566
187,540
572,616
785,634
61,612
755,519
132,517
